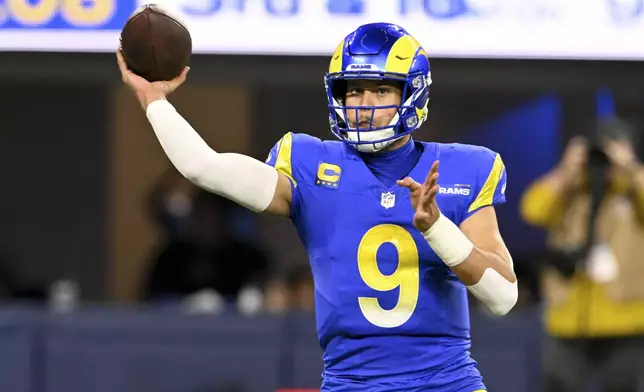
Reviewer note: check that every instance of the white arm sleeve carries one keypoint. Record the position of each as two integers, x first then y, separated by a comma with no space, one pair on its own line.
453,247
240,178
496,292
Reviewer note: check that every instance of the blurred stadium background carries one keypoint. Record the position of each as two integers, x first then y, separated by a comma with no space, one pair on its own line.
118,275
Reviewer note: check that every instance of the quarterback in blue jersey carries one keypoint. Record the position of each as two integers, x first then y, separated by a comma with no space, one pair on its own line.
393,248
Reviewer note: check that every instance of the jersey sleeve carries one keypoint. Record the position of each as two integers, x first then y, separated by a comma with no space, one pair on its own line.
490,182
290,156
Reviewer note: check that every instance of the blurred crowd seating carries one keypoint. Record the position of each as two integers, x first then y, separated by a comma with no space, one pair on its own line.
102,349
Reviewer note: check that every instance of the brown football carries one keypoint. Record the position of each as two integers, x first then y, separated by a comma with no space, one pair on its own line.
155,44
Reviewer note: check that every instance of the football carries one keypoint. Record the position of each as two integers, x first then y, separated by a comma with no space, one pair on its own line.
155,44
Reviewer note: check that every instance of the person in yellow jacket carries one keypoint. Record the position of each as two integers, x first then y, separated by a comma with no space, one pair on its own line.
593,279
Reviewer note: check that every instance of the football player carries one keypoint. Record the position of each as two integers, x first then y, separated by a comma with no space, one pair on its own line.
393,248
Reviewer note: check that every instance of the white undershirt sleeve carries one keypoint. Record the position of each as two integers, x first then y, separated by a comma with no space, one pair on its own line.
243,179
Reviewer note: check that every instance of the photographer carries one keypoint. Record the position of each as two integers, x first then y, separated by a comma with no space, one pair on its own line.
592,204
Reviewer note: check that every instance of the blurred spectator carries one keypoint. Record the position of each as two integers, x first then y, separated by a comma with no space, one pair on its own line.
300,282
208,250
295,291
171,204
592,205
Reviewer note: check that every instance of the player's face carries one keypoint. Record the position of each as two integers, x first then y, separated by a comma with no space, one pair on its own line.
372,93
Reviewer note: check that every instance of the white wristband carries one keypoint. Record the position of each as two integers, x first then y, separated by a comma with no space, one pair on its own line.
448,241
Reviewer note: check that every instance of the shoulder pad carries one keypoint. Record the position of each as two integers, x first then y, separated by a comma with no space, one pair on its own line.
491,177
295,155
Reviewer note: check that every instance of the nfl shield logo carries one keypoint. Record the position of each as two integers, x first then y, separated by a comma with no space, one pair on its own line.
388,200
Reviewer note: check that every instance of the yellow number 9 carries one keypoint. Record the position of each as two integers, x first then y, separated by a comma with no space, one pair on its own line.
75,12
406,277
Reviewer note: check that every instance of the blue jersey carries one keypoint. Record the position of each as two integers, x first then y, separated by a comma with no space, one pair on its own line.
388,309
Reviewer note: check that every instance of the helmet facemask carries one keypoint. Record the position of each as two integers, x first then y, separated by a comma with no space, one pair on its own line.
410,114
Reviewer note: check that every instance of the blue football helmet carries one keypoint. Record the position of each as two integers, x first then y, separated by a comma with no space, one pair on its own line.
379,51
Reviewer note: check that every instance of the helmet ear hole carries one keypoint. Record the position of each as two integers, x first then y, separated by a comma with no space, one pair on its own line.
405,91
